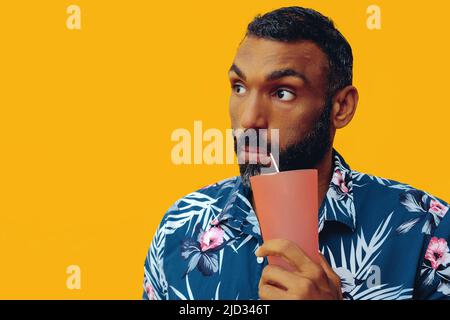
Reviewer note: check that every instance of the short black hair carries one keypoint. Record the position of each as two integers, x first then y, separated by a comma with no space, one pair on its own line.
292,24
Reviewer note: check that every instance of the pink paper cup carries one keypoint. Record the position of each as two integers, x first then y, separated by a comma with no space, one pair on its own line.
286,204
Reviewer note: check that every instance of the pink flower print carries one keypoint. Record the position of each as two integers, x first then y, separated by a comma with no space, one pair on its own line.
150,291
437,208
212,238
437,252
338,180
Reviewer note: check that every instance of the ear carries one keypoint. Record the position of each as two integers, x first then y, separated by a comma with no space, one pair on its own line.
344,106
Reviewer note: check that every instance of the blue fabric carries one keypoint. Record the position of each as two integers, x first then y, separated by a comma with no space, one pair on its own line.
385,239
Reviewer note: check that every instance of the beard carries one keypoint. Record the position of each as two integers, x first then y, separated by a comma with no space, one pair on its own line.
304,154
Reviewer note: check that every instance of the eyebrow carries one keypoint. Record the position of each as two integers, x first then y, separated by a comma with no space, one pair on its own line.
238,71
278,74
275,75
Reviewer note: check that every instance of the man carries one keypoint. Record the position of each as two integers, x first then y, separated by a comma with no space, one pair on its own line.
380,239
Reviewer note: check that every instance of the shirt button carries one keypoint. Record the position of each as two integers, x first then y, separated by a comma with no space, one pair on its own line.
260,260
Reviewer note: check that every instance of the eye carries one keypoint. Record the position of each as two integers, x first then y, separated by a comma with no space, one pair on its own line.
239,89
285,95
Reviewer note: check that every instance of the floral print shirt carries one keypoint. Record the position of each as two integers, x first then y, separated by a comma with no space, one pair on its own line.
385,239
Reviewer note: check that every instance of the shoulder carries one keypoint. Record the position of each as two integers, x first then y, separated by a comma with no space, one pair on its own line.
206,195
201,204
391,188
398,196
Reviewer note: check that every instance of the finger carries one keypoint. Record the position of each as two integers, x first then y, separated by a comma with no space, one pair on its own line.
329,271
305,289
285,249
270,292
280,277
332,276
290,252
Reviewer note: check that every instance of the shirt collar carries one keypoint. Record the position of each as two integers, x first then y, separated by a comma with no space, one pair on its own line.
238,213
337,205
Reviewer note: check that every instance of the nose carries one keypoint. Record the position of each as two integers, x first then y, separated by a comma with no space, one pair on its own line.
254,113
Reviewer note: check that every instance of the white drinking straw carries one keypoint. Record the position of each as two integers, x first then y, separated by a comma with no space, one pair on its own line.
274,163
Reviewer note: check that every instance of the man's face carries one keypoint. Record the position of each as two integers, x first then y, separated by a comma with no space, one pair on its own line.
278,85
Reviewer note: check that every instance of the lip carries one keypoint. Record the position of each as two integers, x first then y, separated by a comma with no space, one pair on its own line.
252,153
250,149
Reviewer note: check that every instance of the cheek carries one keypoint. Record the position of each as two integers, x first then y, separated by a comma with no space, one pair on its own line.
293,127
234,113
288,136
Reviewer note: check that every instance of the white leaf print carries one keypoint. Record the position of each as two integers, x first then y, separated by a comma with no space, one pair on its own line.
194,205
193,262
400,186
176,221
188,287
343,256
155,260
344,207
216,297
220,260
411,203
444,287
248,238
178,293
229,235
358,176
430,277
352,259
392,293
322,216
333,263
426,227
406,226
445,274
347,279
368,291
359,250
356,264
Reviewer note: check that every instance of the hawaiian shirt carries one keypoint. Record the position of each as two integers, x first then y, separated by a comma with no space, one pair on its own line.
385,240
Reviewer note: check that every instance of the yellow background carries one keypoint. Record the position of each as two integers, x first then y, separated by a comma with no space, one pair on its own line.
86,117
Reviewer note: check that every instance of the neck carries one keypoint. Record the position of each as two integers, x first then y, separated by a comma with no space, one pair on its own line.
325,172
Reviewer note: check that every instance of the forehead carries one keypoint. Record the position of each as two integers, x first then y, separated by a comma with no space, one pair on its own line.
258,57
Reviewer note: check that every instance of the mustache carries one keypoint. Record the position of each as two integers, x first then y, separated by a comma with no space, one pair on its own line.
258,139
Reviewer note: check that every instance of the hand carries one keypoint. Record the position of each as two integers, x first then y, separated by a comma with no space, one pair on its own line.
309,281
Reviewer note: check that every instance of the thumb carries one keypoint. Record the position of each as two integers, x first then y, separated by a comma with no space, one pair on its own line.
333,278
